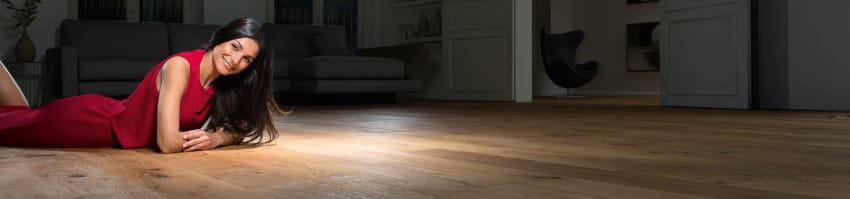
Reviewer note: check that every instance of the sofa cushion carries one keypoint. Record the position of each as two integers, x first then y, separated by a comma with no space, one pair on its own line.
330,41
115,68
281,85
187,37
290,41
280,68
345,67
114,39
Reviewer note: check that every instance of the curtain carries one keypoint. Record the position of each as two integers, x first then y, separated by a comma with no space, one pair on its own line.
168,11
102,10
293,11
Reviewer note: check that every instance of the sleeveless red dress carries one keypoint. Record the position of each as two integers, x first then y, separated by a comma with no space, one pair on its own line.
99,121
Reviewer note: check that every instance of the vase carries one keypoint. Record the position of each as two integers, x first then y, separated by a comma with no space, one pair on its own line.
422,24
25,49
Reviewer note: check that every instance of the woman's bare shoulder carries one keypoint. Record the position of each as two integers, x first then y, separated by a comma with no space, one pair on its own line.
175,68
176,63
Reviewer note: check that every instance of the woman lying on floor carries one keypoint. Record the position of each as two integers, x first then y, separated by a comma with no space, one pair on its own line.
227,84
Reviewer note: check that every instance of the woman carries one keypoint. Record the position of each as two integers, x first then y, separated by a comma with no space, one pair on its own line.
227,84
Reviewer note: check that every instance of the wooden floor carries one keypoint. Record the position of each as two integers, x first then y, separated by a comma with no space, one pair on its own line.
599,147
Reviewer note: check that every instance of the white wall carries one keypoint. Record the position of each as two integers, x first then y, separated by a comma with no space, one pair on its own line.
604,23
193,11
802,55
818,68
540,82
379,27
224,11
43,31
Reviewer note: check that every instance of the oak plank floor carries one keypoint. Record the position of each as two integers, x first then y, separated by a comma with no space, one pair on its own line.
598,147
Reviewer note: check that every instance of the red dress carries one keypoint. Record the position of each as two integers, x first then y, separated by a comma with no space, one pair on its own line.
98,121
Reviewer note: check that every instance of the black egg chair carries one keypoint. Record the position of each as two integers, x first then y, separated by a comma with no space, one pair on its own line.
559,59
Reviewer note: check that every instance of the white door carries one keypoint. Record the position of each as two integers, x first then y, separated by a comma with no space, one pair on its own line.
705,53
478,49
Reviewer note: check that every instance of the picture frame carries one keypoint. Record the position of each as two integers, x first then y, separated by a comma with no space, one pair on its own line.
629,2
642,47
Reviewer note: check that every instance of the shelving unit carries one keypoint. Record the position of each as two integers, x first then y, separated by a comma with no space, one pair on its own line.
412,13
424,40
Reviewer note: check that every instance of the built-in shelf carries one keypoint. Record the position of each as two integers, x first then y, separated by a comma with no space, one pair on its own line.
415,3
423,40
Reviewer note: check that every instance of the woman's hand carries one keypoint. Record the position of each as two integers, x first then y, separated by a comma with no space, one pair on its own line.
197,140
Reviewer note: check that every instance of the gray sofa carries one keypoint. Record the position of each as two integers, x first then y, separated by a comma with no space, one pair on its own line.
111,57
312,64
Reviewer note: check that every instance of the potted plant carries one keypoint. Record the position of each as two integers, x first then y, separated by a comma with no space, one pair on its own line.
24,16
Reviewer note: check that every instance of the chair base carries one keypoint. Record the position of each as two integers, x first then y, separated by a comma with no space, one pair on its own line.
569,96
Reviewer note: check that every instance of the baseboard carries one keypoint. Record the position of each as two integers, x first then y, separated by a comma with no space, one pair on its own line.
616,93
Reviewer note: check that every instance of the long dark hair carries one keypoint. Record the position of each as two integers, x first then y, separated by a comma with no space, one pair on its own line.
243,103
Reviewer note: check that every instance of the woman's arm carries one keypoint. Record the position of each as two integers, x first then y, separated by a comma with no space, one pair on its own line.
171,82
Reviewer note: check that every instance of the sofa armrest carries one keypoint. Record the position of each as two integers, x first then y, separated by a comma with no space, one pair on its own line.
66,59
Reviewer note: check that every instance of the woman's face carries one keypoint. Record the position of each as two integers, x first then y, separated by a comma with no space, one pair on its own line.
232,57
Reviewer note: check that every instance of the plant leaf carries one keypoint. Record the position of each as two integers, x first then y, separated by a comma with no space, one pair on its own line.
9,2
26,14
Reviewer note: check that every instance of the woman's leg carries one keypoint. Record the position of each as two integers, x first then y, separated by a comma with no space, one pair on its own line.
10,93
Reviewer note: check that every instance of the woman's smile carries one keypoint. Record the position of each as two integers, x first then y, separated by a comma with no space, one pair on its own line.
227,64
